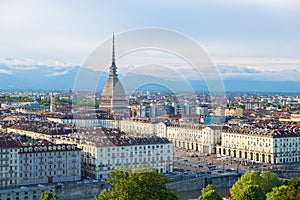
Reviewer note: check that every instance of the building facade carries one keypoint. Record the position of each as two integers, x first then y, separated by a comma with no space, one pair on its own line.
262,145
49,164
137,127
203,139
9,161
25,161
107,149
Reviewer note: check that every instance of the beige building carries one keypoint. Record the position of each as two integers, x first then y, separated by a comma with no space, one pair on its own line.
199,138
137,127
191,137
107,149
293,118
233,112
263,145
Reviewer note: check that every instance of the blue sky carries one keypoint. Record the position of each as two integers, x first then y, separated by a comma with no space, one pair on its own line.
262,35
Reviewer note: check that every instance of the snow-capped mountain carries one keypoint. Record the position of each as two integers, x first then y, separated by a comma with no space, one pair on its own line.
31,75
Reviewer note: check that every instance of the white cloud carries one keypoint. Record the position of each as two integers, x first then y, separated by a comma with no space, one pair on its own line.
29,64
3,71
59,73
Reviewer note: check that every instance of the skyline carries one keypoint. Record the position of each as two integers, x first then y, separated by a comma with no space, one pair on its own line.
259,35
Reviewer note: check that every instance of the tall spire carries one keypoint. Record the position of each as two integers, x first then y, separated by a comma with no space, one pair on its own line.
113,48
113,68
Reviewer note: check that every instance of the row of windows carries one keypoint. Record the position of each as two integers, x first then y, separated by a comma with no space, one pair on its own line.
287,139
141,159
136,153
58,153
133,148
2,150
48,173
246,137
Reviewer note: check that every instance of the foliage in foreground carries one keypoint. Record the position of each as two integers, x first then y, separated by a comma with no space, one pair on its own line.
208,193
265,181
286,192
142,184
252,192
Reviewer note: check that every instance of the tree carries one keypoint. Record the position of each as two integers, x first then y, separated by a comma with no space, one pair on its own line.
140,184
252,192
208,193
48,196
289,192
265,181
294,188
269,181
278,193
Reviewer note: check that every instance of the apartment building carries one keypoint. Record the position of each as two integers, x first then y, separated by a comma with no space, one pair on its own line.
26,161
199,138
45,162
107,149
9,161
258,143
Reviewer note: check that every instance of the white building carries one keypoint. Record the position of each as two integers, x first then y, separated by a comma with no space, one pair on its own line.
198,138
191,137
106,149
137,127
24,161
9,161
49,163
265,145
84,121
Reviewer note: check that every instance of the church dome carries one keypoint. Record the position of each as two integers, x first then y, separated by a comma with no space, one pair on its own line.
113,97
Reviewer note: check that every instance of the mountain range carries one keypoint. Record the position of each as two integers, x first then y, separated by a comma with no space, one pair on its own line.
235,78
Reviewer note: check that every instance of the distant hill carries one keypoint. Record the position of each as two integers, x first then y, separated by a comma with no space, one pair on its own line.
235,78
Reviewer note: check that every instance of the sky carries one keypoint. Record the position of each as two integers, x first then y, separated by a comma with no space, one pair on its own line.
253,33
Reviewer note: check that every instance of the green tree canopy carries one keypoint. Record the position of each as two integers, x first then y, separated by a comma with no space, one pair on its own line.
289,192
48,196
264,180
252,192
141,184
208,193
278,193
269,181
